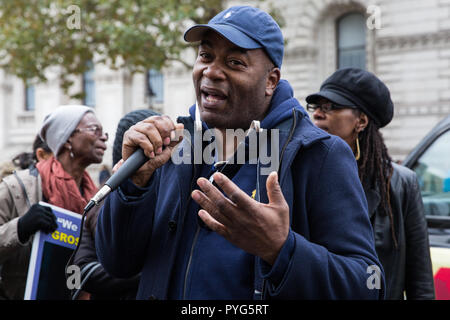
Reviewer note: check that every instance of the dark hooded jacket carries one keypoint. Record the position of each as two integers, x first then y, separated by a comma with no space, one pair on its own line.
329,252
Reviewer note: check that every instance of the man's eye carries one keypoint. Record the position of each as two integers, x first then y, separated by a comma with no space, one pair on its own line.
204,55
236,63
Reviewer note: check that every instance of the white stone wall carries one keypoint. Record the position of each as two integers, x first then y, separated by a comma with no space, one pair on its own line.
413,58
116,94
179,94
410,53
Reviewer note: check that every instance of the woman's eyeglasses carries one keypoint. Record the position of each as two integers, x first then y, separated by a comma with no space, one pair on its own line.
96,130
326,107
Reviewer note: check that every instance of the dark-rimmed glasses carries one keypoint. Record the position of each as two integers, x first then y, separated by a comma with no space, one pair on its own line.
326,107
96,130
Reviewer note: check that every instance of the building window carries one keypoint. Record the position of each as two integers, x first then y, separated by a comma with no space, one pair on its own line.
155,86
351,41
29,97
89,86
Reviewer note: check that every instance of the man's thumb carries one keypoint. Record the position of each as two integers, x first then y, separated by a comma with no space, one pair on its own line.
274,192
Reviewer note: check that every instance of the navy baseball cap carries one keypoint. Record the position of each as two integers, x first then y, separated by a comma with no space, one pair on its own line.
246,27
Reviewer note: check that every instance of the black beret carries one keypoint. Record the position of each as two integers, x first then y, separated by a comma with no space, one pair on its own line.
360,88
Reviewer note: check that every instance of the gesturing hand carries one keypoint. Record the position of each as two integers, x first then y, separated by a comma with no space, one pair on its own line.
257,228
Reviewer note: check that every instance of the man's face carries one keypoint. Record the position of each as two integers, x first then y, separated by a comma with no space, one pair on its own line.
233,85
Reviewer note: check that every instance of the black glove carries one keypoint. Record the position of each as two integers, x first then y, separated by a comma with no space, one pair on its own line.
37,218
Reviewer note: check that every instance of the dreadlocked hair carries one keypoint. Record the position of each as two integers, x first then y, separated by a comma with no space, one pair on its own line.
375,169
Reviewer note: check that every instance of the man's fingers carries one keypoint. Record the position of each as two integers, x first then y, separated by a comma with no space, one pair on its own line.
132,140
274,193
117,166
202,200
151,132
233,192
152,135
210,206
212,223
163,124
167,130
223,204
176,136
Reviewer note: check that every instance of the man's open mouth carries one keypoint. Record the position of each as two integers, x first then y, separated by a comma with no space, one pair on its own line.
212,95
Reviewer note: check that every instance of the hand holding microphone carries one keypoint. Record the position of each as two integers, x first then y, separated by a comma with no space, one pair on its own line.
155,136
146,146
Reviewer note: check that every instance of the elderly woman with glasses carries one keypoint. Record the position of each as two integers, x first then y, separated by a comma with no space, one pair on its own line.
76,138
354,104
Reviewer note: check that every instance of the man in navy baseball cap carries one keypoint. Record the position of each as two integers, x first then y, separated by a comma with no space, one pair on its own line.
246,27
239,57
230,228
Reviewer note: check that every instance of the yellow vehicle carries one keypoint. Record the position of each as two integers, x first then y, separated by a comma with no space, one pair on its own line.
431,162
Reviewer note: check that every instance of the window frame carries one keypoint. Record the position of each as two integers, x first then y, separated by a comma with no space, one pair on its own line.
338,20
438,226
154,98
26,106
91,81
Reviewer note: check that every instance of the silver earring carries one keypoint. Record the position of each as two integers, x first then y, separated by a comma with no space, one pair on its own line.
71,153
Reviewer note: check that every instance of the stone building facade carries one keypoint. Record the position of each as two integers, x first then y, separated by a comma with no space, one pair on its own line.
405,42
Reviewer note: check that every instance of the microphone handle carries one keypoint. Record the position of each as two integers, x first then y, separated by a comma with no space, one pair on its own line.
134,162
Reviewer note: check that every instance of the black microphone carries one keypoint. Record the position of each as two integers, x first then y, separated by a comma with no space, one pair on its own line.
131,165
134,162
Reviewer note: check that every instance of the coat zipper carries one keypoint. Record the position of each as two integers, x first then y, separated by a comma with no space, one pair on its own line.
194,176
189,261
291,133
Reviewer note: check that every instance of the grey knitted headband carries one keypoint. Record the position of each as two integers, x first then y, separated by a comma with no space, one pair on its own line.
59,125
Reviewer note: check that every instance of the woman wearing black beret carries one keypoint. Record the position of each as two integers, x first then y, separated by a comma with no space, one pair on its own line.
354,104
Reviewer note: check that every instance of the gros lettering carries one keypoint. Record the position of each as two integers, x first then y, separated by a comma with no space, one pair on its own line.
64,237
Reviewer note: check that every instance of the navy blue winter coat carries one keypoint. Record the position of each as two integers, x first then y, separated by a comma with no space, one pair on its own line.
333,253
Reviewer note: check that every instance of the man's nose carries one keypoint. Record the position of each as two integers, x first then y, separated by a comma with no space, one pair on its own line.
214,71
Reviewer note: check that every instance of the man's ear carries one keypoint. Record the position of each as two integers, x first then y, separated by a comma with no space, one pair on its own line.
363,121
272,81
